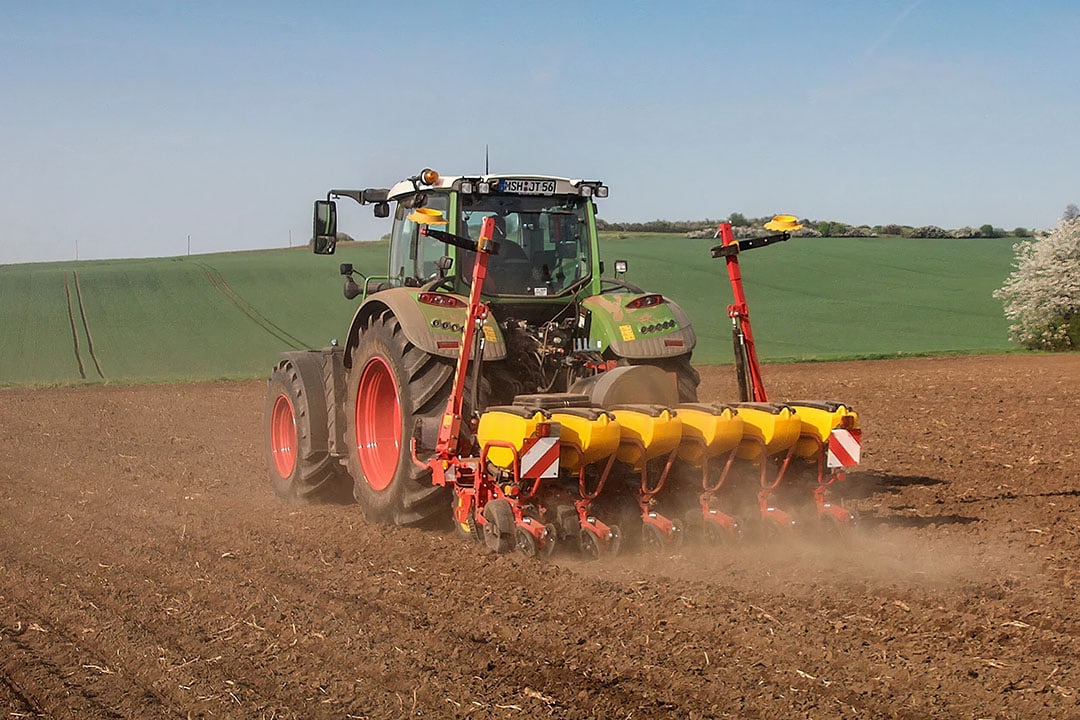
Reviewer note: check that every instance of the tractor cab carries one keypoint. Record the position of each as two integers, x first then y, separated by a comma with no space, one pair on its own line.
545,243
545,228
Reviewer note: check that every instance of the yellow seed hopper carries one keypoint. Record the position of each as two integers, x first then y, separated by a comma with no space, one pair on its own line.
648,431
509,424
588,435
774,425
708,430
818,419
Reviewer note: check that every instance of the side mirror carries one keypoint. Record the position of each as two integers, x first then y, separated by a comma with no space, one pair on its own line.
444,264
382,210
621,266
324,228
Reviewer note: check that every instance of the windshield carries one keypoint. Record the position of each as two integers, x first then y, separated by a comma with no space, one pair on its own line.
544,244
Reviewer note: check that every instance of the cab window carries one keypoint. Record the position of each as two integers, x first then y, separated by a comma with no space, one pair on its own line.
413,256
544,243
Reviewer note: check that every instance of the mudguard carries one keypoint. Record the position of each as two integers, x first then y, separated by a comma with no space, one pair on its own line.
323,388
435,329
655,331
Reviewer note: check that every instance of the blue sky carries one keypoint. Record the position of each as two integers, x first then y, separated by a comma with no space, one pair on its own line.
128,126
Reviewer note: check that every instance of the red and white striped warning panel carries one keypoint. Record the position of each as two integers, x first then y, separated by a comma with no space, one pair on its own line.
844,447
540,457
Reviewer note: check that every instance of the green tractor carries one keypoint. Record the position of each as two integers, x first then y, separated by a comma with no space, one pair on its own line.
363,416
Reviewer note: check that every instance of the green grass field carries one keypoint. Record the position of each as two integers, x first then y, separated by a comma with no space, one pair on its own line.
828,298
228,315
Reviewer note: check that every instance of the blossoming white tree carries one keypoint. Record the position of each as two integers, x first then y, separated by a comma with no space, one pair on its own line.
1042,295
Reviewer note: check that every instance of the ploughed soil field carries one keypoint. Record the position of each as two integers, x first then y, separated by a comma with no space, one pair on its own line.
147,570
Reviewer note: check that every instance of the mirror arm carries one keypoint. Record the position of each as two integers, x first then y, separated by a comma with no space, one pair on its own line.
364,197
357,195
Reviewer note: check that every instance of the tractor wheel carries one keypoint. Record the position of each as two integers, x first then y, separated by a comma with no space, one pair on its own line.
392,384
686,377
297,471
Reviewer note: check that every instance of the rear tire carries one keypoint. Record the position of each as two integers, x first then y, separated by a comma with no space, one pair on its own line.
687,378
392,383
298,471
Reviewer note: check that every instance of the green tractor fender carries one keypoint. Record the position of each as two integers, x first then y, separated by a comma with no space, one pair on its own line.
431,321
639,326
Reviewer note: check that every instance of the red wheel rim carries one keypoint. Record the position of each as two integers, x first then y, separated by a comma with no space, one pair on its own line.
283,436
378,424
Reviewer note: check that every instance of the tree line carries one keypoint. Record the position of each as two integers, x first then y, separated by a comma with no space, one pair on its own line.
825,228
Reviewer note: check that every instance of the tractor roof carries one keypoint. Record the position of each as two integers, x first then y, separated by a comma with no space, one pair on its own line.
546,185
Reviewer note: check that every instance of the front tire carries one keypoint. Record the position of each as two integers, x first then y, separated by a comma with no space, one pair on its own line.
298,471
392,384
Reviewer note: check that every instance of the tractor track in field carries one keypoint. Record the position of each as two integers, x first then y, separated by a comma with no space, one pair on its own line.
222,286
74,328
147,570
78,300
86,325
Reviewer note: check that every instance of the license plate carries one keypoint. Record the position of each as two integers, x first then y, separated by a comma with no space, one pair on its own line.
528,187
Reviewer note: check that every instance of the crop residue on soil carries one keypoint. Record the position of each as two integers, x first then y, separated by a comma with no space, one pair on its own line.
147,570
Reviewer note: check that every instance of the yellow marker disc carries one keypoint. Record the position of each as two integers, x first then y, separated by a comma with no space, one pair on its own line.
788,223
427,216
